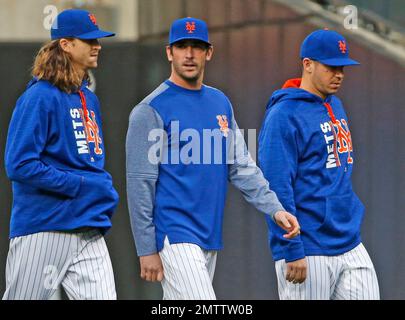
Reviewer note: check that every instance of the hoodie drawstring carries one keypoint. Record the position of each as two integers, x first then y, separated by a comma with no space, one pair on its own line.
330,112
84,106
86,119
333,118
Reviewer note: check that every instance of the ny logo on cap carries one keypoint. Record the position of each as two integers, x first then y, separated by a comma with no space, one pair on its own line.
93,18
190,27
342,46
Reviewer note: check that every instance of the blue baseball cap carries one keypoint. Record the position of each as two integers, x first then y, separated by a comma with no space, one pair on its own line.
328,47
188,28
76,23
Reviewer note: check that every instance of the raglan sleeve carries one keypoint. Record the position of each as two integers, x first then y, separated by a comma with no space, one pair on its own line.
144,143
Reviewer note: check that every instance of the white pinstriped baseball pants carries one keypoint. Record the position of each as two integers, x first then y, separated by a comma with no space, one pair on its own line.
188,272
79,261
349,276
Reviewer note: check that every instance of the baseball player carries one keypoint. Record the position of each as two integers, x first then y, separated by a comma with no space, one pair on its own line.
63,197
306,152
183,145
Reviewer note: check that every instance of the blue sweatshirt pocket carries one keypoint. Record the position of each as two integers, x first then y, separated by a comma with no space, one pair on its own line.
343,220
95,202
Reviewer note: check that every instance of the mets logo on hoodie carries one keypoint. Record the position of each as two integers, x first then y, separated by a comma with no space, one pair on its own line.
338,141
87,133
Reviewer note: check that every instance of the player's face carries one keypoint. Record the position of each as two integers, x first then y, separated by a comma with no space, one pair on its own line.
327,79
188,59
84,53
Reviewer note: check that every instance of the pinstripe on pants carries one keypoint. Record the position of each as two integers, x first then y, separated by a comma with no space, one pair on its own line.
188,272
349,276
38,263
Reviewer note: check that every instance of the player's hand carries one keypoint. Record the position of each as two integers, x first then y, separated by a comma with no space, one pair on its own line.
151,268
288,222
297,271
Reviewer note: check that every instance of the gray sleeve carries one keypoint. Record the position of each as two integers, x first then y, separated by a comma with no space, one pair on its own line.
245,175
144,138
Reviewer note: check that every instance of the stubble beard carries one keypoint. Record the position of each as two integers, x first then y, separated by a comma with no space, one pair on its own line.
193,79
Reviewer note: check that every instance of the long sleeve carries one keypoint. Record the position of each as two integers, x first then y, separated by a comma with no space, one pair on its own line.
26,141
144,142
248,178
278,157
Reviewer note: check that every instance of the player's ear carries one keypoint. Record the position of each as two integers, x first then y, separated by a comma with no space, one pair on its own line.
210,52
65,44
169,53
307,65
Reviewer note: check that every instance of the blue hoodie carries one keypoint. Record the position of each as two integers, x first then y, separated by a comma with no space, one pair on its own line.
56,164
306,153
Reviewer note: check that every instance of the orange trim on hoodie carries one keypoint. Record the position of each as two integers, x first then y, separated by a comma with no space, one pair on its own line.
292,83
86,117
84,106
330,112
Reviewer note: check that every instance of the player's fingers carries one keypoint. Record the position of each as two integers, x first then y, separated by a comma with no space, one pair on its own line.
298,277
304,274
301,273
154,276
290,235
159,276
287,235
295,279
143,274
149,276
290,274
295,227
293,233
287,276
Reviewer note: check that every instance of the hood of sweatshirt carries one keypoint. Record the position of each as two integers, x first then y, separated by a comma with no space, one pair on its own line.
291,91
34,80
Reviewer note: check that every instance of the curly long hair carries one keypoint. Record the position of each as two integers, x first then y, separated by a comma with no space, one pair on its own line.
56,66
